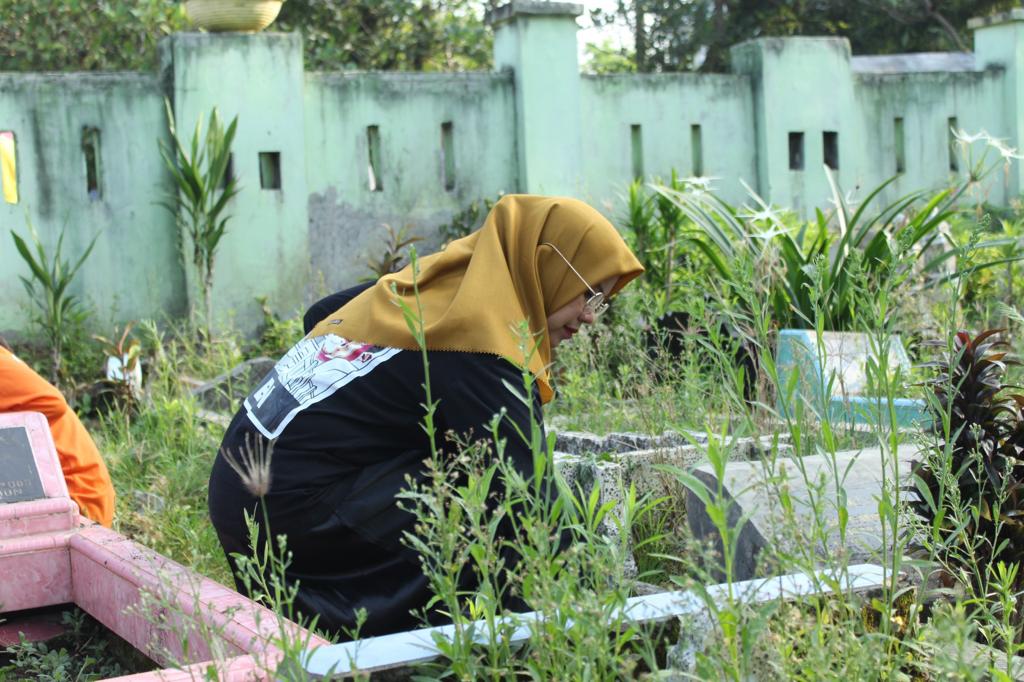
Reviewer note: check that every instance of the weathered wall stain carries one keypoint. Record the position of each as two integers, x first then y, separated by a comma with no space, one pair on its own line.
44,182
343,237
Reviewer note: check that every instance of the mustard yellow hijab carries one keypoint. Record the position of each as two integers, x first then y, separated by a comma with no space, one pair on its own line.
475,292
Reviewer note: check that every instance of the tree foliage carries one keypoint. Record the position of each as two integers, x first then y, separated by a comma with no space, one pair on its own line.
402,35
682,35
84,35
94,35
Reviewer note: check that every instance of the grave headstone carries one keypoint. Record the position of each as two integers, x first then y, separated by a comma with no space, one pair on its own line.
29,466
615,461
19,478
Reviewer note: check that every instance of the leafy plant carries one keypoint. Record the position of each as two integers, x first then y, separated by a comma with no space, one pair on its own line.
82,654
49,287
122,385
821,265
203,190
72,35
277,335
653,224
390,35
468,219
969,483
391,258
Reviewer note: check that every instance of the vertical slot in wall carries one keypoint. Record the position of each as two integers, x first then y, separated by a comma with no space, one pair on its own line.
696,151
830,149
636,145
796,151
899,144
9,166
93,169
373,165
951,128
270,170
447,156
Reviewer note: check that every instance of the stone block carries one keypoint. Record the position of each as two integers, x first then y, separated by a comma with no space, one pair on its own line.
394,656
751,490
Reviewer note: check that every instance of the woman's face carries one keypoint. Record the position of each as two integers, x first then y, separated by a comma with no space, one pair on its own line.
567,320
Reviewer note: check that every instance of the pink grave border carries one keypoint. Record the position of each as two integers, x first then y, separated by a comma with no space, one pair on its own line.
49,554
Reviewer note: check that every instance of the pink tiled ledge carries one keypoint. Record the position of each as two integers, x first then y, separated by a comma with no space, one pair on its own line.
49,555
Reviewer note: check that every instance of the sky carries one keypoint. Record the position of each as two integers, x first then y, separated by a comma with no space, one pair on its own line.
588,33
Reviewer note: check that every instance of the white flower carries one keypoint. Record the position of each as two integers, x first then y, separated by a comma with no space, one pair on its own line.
999,144
1005,150
700,183
765,214
963,136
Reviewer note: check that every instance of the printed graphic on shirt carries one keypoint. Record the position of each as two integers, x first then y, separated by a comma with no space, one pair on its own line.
311,371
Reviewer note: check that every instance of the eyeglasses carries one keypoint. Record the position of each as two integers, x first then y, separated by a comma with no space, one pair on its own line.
595,303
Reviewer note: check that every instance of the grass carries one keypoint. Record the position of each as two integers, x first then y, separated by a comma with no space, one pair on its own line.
619,376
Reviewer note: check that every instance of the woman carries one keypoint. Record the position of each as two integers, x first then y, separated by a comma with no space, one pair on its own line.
344,405
89,485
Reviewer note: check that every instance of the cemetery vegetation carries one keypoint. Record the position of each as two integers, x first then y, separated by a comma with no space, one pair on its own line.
697,35
394,35
948,606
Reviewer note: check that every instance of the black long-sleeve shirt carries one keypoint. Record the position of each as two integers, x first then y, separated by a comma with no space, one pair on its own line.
347,423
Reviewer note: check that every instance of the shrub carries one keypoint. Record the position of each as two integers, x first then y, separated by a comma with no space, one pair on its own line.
839,248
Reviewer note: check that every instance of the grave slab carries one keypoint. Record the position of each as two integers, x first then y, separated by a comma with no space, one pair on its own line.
393,656
751,491
50,555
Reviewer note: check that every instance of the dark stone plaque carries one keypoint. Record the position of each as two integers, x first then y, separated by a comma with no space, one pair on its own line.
19,478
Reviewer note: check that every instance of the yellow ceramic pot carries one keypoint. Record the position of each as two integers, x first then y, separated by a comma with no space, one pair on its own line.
245,16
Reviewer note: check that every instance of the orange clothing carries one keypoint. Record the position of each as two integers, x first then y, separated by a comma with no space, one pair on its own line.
22,390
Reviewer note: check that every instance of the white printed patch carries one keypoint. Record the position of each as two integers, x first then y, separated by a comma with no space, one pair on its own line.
312,370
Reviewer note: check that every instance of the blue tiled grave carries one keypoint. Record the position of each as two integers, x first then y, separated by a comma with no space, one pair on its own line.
840,369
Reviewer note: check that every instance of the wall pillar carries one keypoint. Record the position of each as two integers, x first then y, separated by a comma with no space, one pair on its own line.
537,42
803,107
999,44
260,79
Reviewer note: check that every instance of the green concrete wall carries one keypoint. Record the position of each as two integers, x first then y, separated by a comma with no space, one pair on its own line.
133,271
801,85
999,46
259,79
346,217
808,86
665,107
926,103
533,125
536,42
